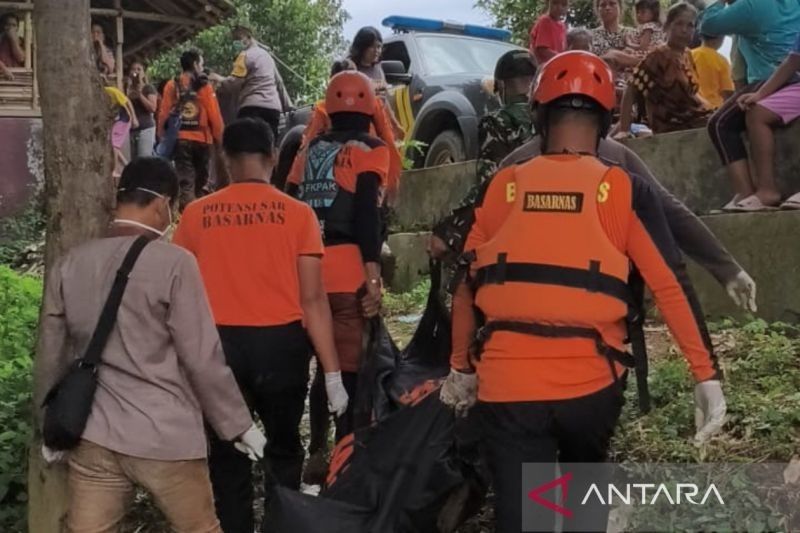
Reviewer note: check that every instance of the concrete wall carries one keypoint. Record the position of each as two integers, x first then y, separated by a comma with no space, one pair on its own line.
766,245
687,164
428,194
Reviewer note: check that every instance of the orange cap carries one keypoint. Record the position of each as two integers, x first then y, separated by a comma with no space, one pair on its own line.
576,73
350,92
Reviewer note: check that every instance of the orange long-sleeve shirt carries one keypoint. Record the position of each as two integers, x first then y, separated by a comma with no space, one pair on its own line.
211,122
382,128
516,367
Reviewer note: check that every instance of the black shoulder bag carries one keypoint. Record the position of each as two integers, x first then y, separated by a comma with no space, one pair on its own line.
69,402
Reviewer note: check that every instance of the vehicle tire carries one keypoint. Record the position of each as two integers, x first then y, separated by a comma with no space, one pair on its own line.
288,151
447,147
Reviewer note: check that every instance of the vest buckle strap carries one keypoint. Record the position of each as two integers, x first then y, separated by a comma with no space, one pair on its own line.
591,279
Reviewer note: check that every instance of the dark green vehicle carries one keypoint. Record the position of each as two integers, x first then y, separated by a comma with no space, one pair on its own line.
437,71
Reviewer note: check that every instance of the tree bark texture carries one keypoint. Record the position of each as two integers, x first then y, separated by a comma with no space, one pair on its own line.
76,116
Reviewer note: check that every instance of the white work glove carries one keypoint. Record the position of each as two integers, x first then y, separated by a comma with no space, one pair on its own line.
252,443
742,290
337,395
52,456
460,391
709,410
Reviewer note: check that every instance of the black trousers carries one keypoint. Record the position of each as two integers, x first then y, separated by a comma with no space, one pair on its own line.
567,431
319,417
191,165
271,367
270,116
727,125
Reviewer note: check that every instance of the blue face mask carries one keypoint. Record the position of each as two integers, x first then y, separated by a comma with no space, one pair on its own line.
238,46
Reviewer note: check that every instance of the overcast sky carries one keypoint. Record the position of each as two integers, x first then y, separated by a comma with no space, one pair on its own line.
372,12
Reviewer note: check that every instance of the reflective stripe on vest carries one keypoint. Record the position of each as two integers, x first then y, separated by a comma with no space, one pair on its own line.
551,262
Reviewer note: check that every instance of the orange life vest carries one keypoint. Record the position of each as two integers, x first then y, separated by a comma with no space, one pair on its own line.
551,270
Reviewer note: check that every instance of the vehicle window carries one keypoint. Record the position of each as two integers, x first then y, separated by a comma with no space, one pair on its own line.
397,51
446,55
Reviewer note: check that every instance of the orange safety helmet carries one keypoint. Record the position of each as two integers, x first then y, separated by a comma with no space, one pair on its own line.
576,73
350,92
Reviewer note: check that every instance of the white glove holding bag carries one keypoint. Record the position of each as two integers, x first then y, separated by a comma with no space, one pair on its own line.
337,394
460,391
710,409
252,443
742,290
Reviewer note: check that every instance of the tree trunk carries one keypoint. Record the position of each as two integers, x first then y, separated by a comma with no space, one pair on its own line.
78,190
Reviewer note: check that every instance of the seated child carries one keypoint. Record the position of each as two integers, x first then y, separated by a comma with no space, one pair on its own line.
648,33
713,71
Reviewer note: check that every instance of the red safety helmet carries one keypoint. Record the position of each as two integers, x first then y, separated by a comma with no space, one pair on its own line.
575,73
350,92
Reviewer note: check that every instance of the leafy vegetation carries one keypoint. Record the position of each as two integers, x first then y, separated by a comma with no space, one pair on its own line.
21,232
305,35
19,313
762,386
405,303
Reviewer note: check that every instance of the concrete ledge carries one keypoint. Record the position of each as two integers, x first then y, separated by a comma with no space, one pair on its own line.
428,194
688,165
765,244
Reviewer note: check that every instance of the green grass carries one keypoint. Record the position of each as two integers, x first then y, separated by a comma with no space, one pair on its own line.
762,388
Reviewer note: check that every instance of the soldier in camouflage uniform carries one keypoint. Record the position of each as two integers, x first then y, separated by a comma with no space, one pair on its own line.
499,133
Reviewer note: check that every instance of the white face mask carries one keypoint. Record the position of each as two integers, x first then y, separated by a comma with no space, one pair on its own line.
160,233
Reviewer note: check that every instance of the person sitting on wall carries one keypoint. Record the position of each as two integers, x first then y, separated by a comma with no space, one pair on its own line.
713,71
768,108
666,81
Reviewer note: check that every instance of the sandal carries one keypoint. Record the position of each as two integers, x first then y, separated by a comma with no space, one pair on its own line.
792,203
752,204
730,206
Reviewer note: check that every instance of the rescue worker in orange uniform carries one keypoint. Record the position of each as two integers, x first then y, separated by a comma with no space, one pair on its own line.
539,324
381,127
343,181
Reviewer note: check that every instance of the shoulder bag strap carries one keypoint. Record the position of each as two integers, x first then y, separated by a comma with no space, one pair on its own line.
109,314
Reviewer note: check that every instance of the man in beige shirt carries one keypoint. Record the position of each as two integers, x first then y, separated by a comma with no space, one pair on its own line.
162,372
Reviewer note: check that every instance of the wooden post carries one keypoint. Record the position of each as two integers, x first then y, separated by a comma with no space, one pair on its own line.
35,105
29,38
120,43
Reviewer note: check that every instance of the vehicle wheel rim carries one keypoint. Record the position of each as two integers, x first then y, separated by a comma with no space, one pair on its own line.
444,158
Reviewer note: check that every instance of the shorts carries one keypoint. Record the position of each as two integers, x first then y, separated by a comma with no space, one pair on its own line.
785,103
119,133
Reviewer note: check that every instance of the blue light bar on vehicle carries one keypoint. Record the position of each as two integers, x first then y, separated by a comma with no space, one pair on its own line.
407,24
